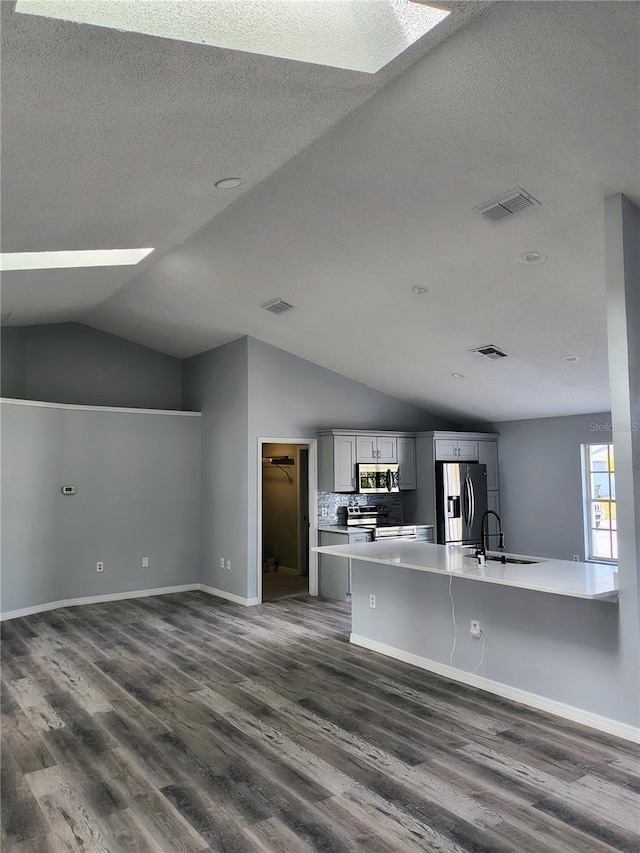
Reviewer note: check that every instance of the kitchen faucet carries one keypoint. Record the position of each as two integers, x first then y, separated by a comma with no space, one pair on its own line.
486,535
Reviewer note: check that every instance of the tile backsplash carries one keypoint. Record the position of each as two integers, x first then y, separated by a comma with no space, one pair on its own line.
332,500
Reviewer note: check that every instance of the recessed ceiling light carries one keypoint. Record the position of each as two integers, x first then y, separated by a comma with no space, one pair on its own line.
532,258
228,183
458,376
66,260
420,290
570,358
348,34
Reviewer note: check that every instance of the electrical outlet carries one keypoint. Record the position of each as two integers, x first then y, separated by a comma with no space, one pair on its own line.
576,558
229,565
222,562
145,562
372,601
100,567
475,628
324,512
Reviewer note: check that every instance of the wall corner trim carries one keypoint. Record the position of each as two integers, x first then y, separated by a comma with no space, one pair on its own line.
121,596
533,700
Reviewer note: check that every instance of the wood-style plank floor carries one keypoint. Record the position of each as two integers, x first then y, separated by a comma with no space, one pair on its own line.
184,723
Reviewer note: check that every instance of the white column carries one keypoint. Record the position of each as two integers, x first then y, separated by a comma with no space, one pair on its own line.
622,256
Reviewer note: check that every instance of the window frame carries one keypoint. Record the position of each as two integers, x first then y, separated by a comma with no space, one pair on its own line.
588,499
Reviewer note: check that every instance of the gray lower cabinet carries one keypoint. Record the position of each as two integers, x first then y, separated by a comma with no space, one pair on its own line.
333,572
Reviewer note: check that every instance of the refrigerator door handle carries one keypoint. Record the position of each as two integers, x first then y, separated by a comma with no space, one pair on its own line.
472,501
465,502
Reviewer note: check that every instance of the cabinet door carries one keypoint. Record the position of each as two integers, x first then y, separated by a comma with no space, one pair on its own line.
488,455
468,451
344,463
387,449
446,450
407,462
366,448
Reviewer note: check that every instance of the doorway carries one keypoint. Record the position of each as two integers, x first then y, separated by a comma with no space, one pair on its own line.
285,517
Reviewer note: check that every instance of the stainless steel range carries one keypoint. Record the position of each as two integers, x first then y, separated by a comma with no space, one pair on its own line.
376,519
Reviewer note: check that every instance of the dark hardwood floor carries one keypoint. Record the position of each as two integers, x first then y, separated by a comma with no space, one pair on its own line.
183,723
277,585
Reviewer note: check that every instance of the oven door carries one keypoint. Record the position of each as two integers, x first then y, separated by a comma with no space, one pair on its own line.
377,479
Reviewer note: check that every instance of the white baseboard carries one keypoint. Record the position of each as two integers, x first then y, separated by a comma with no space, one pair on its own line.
120,596
541,703
228,596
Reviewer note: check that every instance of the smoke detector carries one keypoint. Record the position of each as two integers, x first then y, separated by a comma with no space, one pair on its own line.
506,205
490,351
277,306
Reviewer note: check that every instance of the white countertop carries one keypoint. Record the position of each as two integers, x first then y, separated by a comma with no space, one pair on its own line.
559,577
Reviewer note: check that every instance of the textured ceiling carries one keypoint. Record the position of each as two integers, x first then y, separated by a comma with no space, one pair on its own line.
356,188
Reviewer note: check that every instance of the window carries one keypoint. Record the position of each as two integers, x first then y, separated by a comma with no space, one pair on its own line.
601,533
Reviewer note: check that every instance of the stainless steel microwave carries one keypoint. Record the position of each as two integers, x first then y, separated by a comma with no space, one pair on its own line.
373,479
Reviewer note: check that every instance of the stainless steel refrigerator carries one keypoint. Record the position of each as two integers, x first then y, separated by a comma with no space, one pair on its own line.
461,501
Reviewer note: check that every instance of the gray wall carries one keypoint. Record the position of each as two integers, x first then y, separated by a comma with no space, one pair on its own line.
541,483
215,383
138,482
72,363
248,389
290,397
13,343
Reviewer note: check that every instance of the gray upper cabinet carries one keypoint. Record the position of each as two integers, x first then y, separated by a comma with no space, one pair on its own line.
407,462
337,463
379,449
456,450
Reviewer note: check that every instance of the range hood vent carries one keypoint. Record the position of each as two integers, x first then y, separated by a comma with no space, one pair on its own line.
506,205
277,306
490,351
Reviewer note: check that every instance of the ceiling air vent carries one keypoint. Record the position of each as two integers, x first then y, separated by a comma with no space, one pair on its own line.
277,306
490,351
506,205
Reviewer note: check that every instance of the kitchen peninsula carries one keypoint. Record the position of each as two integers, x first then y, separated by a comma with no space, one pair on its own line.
549,629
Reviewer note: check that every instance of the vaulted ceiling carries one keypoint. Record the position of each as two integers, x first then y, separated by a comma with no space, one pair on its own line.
356,188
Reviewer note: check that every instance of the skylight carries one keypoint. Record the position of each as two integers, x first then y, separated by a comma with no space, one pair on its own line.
66,260
360,35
